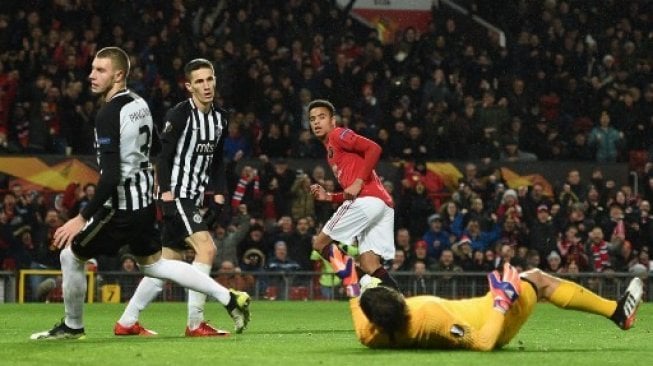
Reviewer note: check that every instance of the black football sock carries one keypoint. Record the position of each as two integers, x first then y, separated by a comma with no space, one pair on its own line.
386,280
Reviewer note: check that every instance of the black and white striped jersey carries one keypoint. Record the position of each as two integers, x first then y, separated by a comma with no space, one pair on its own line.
191,159
123,138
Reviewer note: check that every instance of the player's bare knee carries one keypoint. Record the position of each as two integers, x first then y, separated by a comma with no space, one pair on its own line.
203,244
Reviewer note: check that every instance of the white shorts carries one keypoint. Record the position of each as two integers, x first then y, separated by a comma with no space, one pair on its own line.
368,220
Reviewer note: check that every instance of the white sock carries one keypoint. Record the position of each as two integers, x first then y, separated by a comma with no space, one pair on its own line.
187,276
74,288
196,300
148,289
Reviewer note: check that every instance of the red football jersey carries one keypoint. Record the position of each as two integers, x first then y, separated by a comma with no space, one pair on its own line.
346,156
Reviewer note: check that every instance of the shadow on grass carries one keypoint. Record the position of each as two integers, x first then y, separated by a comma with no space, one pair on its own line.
364,351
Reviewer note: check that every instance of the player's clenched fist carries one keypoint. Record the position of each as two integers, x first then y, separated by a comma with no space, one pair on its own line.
319,193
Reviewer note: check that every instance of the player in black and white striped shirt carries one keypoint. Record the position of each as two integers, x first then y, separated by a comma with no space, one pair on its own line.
190,161
121,212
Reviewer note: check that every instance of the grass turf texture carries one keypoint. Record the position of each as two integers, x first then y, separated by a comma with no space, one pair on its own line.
306,333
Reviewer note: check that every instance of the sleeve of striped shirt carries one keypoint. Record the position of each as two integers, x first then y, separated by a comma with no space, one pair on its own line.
173,127
107,130
218,178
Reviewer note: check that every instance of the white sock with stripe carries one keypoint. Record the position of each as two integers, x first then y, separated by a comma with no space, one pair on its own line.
74,288
187,276
196,300
148,289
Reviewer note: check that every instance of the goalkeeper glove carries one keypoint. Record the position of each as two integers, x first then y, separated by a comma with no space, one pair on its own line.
506,289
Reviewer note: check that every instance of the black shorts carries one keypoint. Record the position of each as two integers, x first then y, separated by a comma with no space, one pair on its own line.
109,229
181,219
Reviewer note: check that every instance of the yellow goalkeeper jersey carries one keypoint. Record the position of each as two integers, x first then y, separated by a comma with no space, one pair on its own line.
446,324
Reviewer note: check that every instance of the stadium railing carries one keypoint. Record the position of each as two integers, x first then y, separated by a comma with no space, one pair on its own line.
119,286
7,286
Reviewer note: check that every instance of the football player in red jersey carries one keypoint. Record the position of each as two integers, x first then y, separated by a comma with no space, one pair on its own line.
366,213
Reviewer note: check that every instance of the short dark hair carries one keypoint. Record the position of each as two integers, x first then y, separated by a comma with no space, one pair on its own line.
317,103
196,64
118,57
386,308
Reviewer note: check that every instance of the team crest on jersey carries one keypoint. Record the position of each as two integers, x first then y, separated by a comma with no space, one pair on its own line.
330,152
167,127
197,218
103,140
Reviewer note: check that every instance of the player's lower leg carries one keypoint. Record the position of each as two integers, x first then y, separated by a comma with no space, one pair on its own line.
74,291
343,265
197,300
186,276
570,295
148,289
236,302
371,263
74,288
385,277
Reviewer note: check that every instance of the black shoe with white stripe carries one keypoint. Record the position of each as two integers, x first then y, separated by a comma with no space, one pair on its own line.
60,331
624,315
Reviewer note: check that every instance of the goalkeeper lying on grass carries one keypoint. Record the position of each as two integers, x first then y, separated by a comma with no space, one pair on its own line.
383,318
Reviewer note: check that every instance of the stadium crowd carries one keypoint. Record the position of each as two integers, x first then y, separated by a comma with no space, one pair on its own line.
573,83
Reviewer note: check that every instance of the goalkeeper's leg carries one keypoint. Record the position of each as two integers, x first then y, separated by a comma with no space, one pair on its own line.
570,295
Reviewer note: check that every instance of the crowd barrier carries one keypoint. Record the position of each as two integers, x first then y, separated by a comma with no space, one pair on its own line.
116,287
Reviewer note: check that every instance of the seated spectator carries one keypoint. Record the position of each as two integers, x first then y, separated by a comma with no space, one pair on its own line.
129,278
403,242
510,152
414,202
451,216
226,240
542,235
532,259
625,257
507,254
231,277
420,253
281,263
447,263
477,212
554,263
572,249
421,283
462,250
480,263
254,240
399,263
481,240
436,238
509,206
599,251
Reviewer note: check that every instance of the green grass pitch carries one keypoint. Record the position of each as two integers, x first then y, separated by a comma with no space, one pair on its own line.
307,333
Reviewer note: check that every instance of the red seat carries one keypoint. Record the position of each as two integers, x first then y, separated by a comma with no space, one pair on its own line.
9,264
298,293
